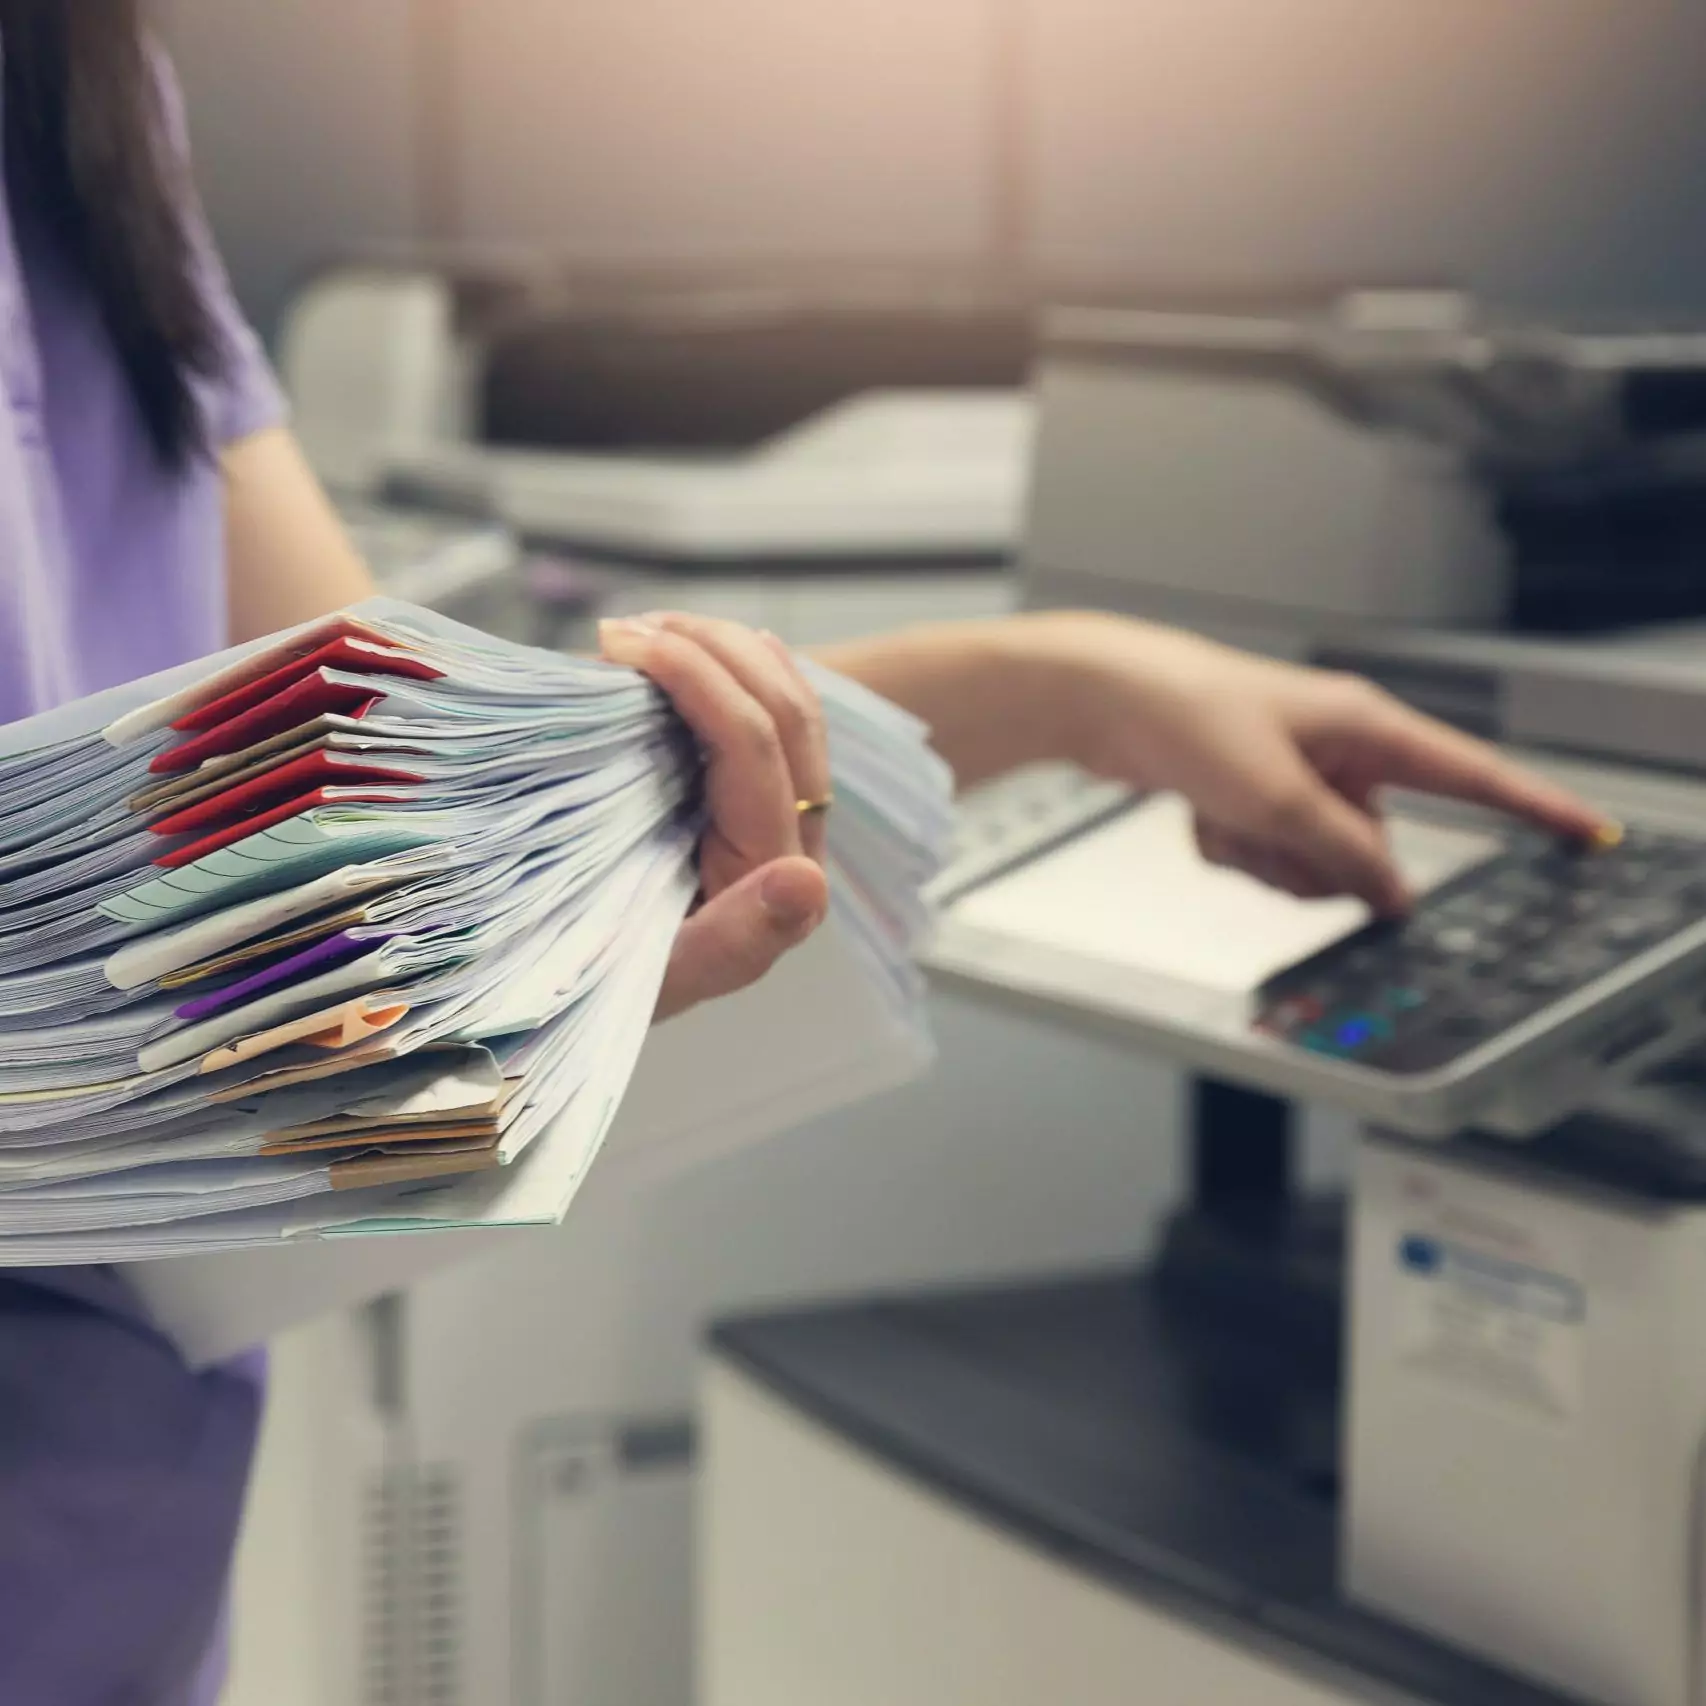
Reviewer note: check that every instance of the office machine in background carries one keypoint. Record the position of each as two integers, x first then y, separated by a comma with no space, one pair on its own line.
1436,1441
1395,458
820,458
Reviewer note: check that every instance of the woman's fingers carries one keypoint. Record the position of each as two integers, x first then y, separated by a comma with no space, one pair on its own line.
764,895
1345,847
749,783
1286,806
766,669
1409,750
734,939
1266,865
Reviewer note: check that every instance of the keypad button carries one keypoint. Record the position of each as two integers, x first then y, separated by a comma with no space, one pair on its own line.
1466,1025
1635,927
1586,960
1522,888
1587,875
1458,940
1320,1041
1542,977
1296,1014
1420,1052
1622,928
1669,854
1352,1032
1505,1006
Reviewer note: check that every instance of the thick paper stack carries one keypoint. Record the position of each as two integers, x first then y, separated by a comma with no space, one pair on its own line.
361,930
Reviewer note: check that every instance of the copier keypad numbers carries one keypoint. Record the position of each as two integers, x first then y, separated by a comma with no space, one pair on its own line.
1489,950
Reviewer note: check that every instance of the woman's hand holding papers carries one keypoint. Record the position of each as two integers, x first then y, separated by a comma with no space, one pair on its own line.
761,727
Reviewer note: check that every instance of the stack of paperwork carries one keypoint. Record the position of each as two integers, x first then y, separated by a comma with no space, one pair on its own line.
360,931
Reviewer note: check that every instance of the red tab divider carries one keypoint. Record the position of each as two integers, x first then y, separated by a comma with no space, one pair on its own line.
313,696
313,770
236,832
345,652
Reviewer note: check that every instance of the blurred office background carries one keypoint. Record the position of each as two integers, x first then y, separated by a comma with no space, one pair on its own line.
1552,156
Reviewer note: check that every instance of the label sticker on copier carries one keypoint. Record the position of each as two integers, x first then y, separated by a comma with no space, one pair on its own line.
1502,1329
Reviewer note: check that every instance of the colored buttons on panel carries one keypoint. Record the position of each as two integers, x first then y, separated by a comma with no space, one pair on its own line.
1491,950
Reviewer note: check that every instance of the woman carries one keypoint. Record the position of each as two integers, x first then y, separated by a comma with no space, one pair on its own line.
153,506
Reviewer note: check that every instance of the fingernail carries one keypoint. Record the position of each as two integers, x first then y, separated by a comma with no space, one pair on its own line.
623,641
788,910
638,627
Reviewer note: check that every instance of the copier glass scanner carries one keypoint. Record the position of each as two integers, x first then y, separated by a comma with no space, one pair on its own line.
1530,976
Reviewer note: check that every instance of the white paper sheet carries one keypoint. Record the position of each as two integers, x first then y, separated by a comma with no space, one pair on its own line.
1135,894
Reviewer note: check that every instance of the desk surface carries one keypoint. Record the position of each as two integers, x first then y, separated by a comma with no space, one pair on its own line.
1174,1463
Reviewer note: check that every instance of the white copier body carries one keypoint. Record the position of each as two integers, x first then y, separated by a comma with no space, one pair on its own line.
1527,1414
1526,1383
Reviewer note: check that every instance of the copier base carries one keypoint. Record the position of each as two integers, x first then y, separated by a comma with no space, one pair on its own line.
1085,1492
1528,1403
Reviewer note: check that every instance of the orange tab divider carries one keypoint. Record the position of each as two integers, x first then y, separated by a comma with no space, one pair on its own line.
408,1169
339,1027
473,1134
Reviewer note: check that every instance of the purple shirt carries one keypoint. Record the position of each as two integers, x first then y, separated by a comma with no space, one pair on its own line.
121,1472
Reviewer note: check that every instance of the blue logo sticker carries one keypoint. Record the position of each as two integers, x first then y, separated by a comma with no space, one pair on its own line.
1419,1255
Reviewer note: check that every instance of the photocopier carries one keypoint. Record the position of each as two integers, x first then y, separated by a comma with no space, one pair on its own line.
1444,1434
695,424
817,454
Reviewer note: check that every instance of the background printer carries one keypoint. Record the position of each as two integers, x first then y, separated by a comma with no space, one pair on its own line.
820,455
1443,1445
1396,457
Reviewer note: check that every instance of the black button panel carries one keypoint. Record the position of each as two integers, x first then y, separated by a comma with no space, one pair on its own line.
1496,946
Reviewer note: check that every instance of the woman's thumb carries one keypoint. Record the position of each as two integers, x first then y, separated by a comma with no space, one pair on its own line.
734,940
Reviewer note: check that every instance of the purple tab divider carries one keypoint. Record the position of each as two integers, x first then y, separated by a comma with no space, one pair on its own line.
322,956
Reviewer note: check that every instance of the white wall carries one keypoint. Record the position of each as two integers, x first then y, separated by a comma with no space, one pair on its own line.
1555,153
663,129
301,116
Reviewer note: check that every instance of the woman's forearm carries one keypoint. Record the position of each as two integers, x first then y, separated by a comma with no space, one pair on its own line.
288,559
996,694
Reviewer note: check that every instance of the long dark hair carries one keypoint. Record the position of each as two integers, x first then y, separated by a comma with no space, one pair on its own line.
87,146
